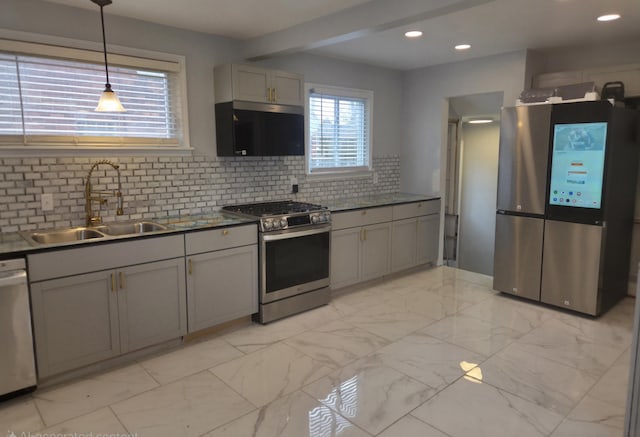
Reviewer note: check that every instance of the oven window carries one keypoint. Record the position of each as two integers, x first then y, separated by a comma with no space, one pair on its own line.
296,261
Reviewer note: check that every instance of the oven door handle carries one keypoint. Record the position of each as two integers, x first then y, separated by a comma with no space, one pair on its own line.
296,233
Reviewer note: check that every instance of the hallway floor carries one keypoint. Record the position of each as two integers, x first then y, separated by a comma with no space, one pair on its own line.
430,354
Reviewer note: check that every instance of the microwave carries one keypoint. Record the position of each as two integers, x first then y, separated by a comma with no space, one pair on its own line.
259,129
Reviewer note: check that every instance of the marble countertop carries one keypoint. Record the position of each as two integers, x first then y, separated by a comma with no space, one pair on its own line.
14,244
352,203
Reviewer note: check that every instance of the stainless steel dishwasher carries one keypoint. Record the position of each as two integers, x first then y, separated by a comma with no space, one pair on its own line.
17,363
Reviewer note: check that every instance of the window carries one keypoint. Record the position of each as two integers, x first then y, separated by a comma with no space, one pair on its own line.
49,101
338,129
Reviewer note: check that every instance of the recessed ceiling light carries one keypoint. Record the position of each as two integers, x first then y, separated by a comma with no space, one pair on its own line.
480,121
413,34
463,47
608,17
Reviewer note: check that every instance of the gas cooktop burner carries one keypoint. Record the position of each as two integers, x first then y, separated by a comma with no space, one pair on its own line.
284,215
274,208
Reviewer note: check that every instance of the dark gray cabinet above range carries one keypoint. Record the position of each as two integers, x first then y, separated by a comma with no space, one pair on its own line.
259,112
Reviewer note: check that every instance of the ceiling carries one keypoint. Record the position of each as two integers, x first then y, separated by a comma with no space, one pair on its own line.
371,31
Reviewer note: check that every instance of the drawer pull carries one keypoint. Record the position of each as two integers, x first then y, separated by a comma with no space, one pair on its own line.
225,232
364,212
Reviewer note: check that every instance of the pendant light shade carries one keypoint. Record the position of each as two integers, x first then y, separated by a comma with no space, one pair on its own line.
109,101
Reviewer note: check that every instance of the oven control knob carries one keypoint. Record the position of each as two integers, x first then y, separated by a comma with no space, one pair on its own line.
283,223
268,225
315,219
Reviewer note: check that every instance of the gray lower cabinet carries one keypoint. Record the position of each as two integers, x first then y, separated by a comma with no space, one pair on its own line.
345,257
360,246
222,275
404,247
428,236
415,234
75,322
152,303
88,305
376,246
222,286
88,318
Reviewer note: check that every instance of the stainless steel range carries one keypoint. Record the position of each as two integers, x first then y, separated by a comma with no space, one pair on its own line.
294,256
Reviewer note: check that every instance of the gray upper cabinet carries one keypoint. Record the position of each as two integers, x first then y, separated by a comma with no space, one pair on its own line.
255,84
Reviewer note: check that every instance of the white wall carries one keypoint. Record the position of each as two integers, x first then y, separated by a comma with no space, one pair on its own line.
426,111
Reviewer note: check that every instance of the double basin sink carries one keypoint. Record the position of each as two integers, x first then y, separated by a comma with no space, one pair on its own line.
100,231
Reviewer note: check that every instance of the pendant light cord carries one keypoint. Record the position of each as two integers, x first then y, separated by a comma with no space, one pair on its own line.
104,45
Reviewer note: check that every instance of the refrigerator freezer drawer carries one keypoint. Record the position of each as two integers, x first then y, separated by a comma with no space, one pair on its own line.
518,255
571,266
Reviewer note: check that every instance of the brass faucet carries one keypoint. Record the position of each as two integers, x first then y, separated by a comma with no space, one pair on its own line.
96,196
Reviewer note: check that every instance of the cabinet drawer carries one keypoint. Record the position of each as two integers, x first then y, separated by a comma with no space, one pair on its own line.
416,209
218,239
361,217
92,258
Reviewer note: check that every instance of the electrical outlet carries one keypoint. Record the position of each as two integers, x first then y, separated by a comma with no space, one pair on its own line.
46,200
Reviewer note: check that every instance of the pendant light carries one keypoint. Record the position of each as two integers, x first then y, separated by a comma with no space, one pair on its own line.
108,100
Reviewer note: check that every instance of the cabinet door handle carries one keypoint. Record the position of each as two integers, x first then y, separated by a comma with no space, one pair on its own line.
190,266
113,282
365,234
121,280
269,95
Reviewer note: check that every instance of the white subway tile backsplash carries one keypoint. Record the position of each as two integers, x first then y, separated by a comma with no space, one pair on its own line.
159,186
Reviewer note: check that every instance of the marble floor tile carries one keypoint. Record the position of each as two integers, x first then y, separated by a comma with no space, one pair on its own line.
353,301
188,407
568,344
471,408
463,290
471,333
101,422
428,359
20,415
552,385
337,344
477,278
297,415
370,395
388,322
613,387
317,317
430,304
592,417
62,403
270,373
504,311
255,337
409,426
191,359
621,314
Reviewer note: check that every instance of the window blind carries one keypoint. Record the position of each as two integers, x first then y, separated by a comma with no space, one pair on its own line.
49,101
338,135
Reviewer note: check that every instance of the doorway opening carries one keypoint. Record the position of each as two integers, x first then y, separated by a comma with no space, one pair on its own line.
471,181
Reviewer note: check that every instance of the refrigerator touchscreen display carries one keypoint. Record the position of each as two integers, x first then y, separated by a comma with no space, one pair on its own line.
577,165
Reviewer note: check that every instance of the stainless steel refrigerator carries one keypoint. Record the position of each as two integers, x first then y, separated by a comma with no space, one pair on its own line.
522,187
566,192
